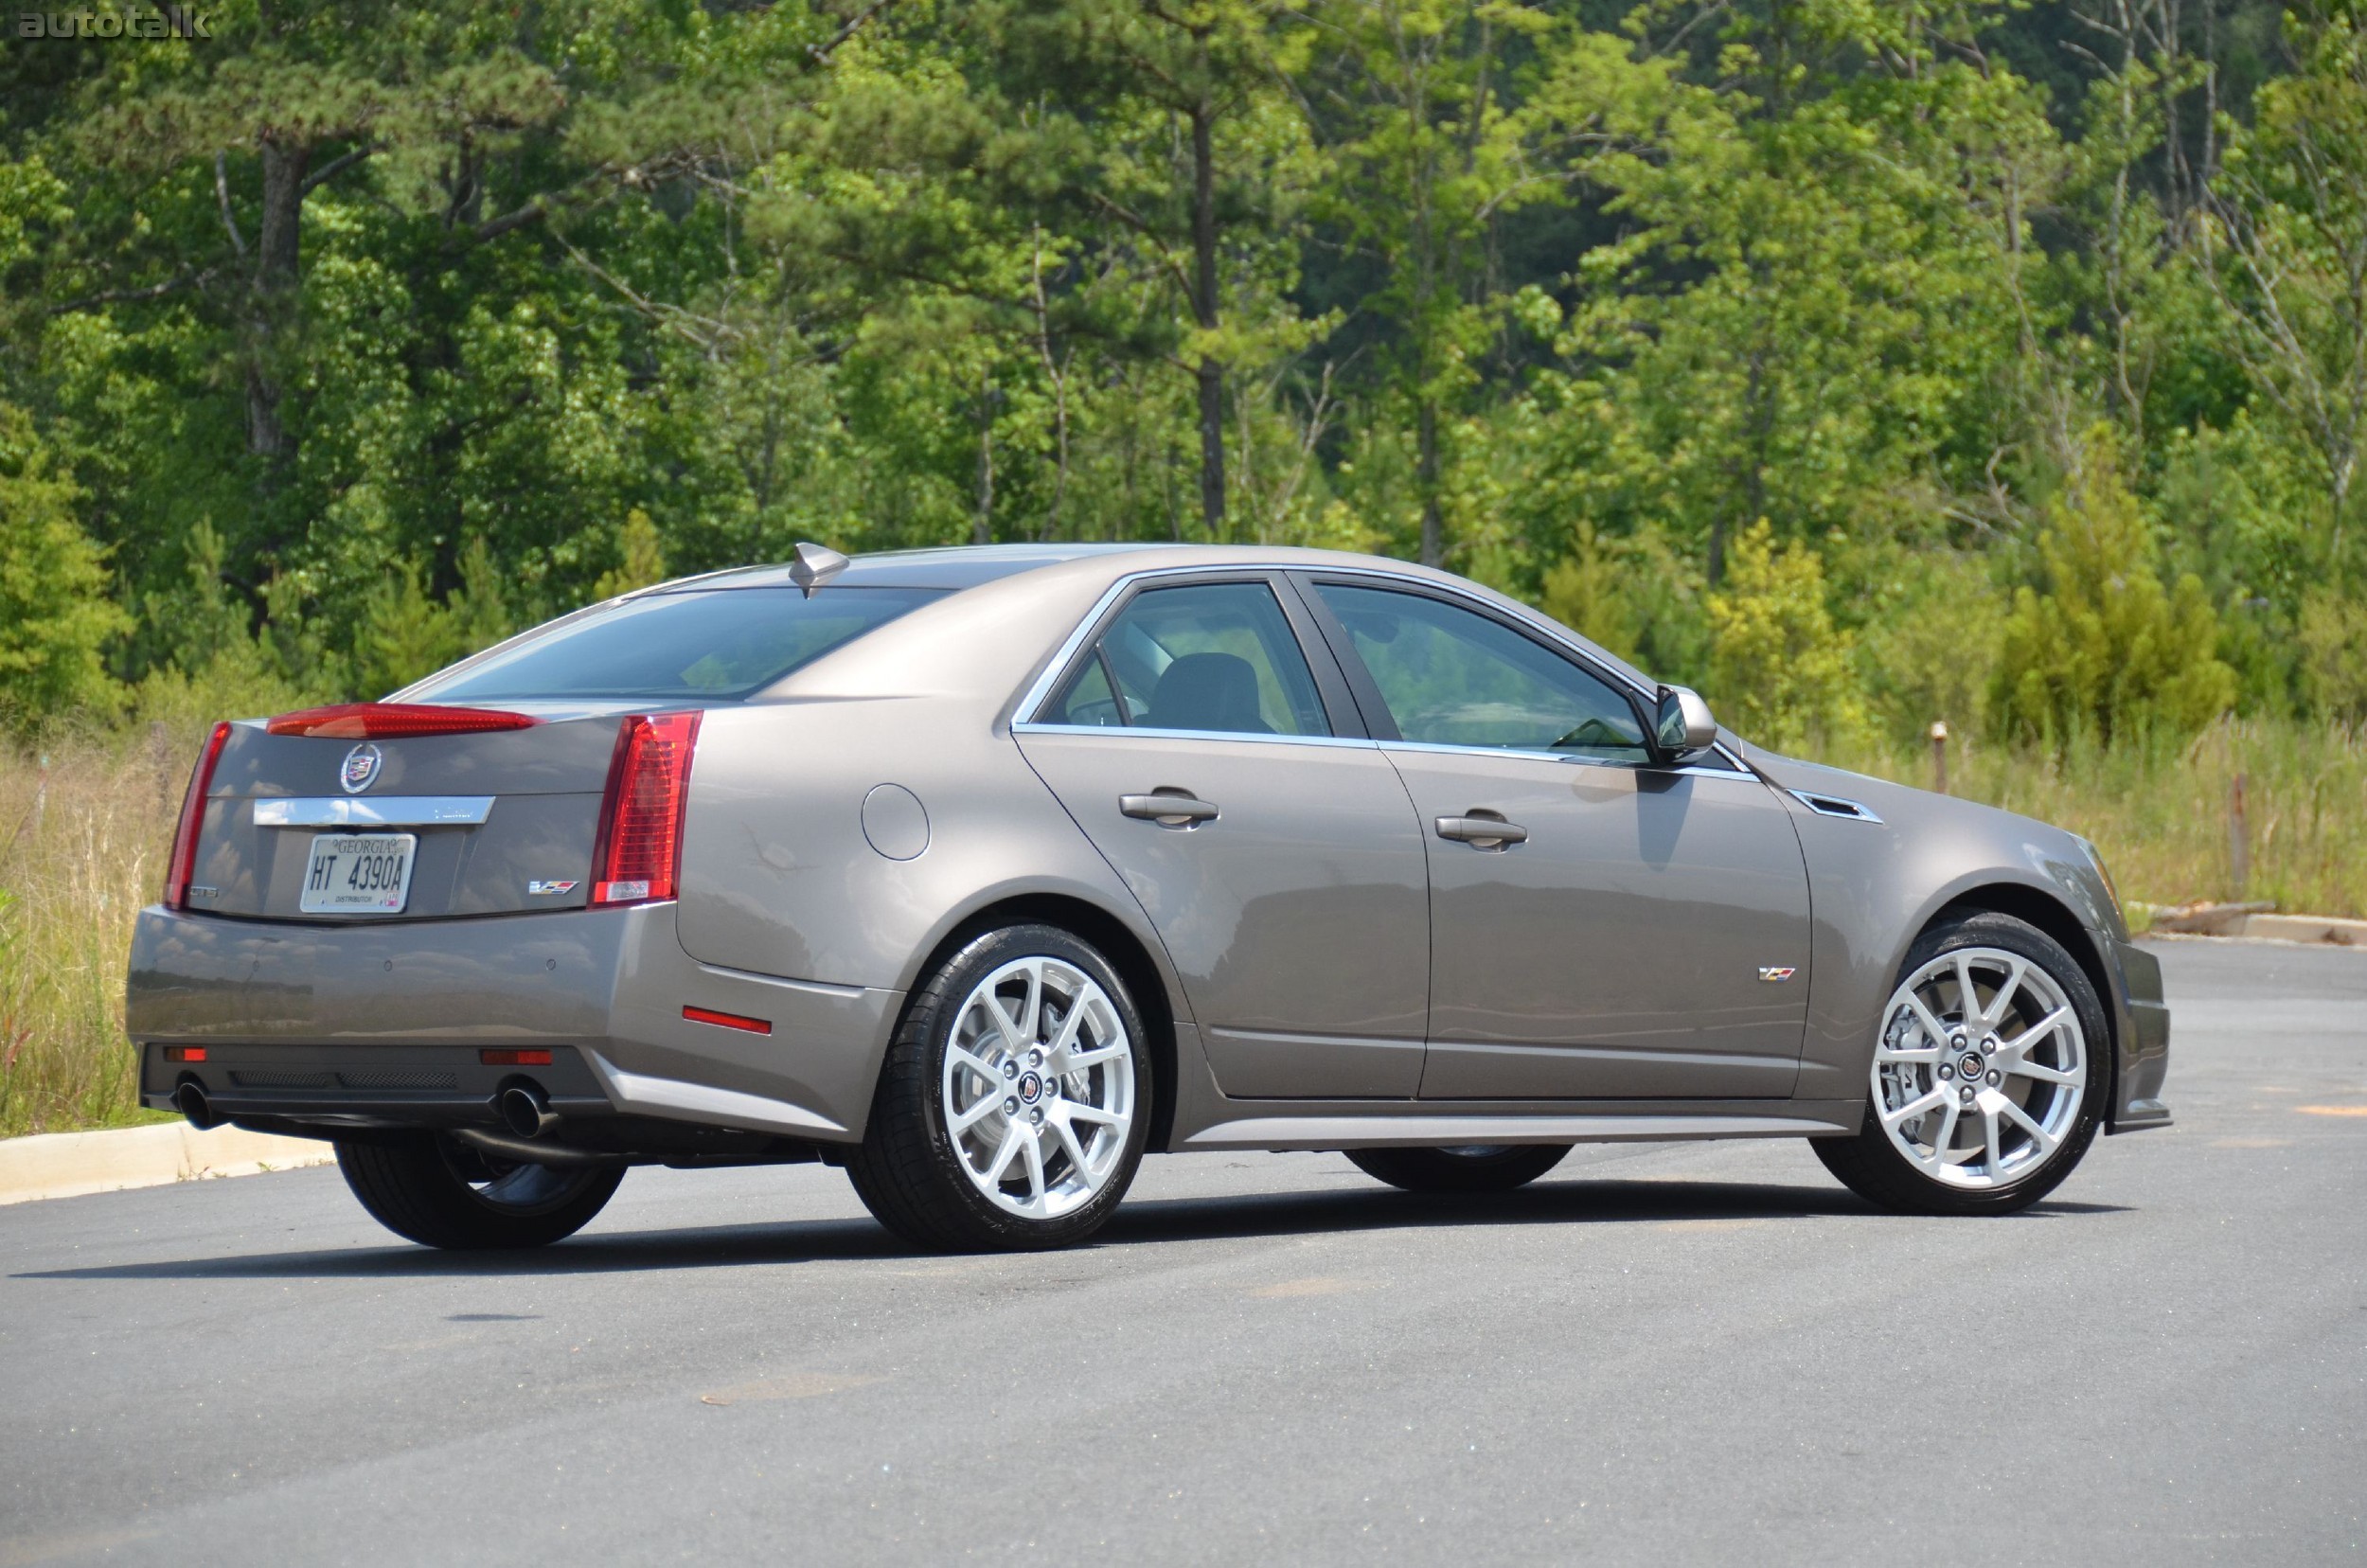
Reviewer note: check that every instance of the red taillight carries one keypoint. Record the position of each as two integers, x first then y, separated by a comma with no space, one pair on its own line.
514,1058
395,720
638,858
728,1021
185,1053
183,861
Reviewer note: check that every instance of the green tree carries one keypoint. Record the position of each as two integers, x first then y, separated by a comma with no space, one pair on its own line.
2286,249
641,563
1428,150
2105,649
54,616
1811,308
1779,669
1189,160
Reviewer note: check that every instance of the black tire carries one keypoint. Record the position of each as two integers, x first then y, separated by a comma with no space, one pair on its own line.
1874,1167
441,1193
908,1172
1493,1168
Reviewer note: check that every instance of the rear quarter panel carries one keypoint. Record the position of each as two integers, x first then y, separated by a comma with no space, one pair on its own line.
780,872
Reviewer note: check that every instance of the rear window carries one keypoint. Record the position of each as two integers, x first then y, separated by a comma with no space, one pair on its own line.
710,645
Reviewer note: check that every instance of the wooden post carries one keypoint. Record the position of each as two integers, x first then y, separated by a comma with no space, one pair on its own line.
1939,756
2238,839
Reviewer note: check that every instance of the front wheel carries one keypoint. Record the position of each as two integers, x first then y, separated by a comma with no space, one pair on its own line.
1988,1077
1489,1168
1014,1105
439,1192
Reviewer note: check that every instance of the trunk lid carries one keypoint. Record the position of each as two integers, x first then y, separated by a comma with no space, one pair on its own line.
499,819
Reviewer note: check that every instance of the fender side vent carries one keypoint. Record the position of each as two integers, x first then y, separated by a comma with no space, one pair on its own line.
1834,805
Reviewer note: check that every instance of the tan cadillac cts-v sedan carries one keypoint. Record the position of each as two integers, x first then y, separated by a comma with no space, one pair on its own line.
981,873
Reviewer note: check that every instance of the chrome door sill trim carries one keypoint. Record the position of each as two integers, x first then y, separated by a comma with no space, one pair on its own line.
1286,1133
375,812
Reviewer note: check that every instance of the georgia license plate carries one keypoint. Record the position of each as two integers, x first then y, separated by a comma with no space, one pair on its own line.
358,874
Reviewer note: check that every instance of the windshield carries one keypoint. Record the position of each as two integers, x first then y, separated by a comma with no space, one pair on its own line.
715,645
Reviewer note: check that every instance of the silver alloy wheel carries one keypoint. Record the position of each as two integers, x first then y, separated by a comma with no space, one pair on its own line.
1981,1068
1038,1089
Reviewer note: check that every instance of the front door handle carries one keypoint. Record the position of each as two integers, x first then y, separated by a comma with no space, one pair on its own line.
1482,829
1168,807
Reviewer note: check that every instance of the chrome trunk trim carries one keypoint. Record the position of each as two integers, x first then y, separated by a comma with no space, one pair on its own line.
375,812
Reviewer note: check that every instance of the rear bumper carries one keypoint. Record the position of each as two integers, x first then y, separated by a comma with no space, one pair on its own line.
604,990
2144,1042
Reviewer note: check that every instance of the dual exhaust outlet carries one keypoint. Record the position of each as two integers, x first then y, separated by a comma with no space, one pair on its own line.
525,1111
523,1108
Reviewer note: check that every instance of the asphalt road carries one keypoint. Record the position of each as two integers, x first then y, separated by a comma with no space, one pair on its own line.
1704,1353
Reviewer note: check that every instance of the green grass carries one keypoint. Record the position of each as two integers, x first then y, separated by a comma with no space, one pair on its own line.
2159,811
82,845
76,868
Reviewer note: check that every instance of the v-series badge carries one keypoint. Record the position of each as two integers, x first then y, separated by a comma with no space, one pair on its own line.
549,889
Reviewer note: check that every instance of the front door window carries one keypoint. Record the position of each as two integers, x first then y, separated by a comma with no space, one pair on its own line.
1452,677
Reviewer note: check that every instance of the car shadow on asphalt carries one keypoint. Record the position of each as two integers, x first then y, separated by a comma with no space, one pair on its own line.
1142,1222
1567,1202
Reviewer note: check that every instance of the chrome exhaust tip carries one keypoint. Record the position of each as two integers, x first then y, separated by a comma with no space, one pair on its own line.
525,1111
189,1099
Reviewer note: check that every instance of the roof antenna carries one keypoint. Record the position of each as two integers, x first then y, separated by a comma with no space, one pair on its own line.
813,566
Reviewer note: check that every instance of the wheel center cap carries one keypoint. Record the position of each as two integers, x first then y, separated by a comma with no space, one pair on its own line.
1030,1088
1972,1066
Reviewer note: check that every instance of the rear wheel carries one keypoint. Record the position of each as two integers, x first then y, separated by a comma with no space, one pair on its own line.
439,1192
1477,1168
1988,1077
1013,1106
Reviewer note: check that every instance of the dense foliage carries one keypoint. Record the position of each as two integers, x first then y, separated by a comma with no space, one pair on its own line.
1866,362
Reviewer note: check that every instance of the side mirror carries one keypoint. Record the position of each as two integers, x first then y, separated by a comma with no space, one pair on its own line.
1683,727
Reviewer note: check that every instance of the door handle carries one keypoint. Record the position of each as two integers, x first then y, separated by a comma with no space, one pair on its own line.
1168,807
1482,829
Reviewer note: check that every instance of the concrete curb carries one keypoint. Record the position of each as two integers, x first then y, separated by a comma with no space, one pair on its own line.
2255,922
66,1165
2306,928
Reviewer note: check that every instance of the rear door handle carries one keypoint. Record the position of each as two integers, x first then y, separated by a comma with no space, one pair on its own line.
1482,830
1169,808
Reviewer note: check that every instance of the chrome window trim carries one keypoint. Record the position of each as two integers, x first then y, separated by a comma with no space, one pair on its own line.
374,811
1131,731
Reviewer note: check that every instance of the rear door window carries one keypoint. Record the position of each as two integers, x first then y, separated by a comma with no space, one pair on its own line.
1216,657
710,645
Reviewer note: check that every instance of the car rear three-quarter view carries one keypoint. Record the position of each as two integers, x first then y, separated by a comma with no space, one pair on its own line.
982,873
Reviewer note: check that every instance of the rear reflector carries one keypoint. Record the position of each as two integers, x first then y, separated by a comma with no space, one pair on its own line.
395,720
638,857
183,865
185,1053
514,1058
727,1021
